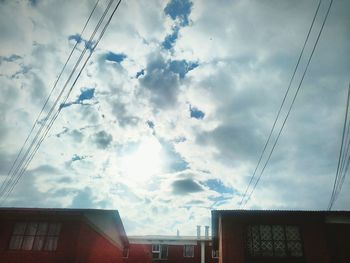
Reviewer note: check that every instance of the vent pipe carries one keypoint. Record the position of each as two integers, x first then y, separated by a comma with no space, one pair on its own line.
206,232
198,231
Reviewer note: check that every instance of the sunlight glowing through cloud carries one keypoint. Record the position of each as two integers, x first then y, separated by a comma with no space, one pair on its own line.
145,162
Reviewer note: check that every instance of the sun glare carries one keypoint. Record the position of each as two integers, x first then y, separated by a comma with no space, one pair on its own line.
145,162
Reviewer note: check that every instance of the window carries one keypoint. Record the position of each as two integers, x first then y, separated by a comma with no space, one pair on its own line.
159,251
35,236
274,241
215,253
188,251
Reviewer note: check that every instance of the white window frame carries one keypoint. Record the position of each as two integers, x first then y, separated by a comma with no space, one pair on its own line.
158,251
192,251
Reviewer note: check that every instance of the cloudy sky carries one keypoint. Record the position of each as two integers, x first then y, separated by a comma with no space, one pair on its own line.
171,113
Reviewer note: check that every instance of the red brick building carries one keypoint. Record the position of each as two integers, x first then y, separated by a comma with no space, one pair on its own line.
282,236
61,235
174,249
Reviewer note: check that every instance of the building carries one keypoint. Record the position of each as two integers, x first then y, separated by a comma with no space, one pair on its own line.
61,235
174,249
282,236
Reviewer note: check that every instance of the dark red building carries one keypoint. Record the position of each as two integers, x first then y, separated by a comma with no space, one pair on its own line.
61,235
282,236
174,249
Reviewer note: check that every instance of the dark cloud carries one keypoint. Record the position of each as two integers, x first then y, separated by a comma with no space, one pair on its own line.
122,114
186,186
140,73
103,139
163,83
77,135
163,77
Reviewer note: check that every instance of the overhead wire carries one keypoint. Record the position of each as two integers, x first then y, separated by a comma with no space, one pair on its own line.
25,158
282,104
291,105
47,99
71,88
343,157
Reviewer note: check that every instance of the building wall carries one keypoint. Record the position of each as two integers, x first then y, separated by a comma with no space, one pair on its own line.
338,241
93,247
143,253
66,248
78,242
139,253
313,233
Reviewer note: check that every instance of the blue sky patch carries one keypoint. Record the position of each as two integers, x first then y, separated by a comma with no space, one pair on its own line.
218,186
179,9
175,162
115,57
170,40
196,113
86,94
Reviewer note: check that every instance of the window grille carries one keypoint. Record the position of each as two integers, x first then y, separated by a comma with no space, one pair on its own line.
274,241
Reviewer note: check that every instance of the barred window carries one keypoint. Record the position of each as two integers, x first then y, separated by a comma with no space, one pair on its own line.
35,236
189,251
274,241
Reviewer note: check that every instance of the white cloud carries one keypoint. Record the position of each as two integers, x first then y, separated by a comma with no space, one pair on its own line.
134,146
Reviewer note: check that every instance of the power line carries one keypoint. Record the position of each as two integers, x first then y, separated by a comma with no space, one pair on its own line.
14,183
292,103
29,149
47,99
341,173
282,104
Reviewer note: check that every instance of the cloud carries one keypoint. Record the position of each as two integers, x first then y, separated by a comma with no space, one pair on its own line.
186,186
202,81
103,139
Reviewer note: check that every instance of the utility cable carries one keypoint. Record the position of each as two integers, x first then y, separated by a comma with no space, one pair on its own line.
47,99
283,101
290,108
67,96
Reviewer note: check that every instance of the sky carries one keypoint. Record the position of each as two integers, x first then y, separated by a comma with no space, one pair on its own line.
170,115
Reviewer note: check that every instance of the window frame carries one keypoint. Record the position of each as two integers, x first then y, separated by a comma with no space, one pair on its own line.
285,240
215,253
35,239
192,251
159,251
